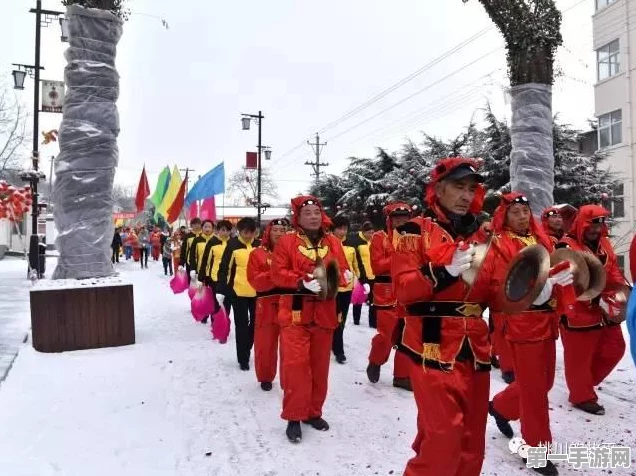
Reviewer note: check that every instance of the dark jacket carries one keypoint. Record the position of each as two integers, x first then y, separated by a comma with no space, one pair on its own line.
117,243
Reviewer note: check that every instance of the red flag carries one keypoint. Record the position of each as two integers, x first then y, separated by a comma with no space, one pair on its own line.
208,209
193,211
143,191
251,160
177,205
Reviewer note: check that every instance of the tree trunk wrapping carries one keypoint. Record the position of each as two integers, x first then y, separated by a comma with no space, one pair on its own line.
85,167
532,156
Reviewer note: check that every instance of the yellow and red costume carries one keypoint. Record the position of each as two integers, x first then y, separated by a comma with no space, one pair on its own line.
592,345
266,328
445,335
530,336
307,323
382,253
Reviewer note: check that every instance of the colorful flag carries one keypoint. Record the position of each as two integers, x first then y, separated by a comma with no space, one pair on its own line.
208,209
143,191
175,208
171,193
211,184
161,188
193,211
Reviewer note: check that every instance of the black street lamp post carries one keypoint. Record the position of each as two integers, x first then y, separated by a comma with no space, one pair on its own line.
246,119
42,18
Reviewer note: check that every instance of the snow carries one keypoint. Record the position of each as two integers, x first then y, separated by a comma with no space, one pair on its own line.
59,284
159,407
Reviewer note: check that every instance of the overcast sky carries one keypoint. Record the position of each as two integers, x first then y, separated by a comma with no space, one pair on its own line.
305,65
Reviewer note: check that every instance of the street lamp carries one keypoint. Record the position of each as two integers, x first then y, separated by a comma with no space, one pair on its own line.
42,18
64,28
245,122
268,153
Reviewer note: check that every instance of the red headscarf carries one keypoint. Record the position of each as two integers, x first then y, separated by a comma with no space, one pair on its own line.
587,214
442,169
499,218
265,240
391,208
299,202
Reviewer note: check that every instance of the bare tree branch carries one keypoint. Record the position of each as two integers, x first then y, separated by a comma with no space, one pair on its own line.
243,185
13,129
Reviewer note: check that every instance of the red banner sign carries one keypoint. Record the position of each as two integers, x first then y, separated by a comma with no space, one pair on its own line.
251,160
124,215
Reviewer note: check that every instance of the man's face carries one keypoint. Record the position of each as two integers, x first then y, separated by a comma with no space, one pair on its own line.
555,222
399,220
208,228
310,217
276,232
518,218
456,196
247,235
223,233
367,235
593,232
196,228
341,232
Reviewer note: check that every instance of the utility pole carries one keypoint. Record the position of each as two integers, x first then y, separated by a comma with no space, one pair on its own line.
317,147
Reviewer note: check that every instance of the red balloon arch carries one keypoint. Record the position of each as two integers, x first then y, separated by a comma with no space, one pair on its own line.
14,201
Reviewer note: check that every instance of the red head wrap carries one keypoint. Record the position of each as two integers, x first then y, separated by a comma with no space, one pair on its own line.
587,215
442,169
299,202
400,208
265,240
499,218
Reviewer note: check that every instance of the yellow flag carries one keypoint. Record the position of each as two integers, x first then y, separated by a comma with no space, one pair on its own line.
171,193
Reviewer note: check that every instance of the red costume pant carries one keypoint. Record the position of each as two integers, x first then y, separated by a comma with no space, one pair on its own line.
500,345
452,408
155,252
266,332
383,342
305,370
526,398
589,357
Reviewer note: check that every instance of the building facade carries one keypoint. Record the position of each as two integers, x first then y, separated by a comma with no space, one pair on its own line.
614,36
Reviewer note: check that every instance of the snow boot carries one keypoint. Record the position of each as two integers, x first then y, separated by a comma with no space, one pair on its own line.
373,373
245,367
591,407
502,423
266,386
317,424
549,470
294,433
508,377
341,359
403,383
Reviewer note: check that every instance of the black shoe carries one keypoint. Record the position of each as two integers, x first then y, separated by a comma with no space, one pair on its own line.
373,373
502,423
356,323
317,424
403,383
266,386
494,361
294,433
548,470
341,359
245,366
591,407
508,377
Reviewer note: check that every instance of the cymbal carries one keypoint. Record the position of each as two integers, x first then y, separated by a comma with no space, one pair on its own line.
526,276
470,275
598,277
578,266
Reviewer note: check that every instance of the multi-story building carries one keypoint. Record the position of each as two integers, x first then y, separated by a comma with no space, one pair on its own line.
614,25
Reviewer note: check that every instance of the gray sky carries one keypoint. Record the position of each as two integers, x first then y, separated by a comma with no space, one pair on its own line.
305,65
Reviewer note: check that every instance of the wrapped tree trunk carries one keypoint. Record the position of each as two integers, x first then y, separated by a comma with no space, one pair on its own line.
531,29
85,167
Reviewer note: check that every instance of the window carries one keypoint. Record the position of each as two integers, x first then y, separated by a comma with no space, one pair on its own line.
608,60
603,3
610,129
618,201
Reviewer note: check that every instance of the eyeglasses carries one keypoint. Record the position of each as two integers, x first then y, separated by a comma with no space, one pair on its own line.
308,202
552,213
522,199
598,220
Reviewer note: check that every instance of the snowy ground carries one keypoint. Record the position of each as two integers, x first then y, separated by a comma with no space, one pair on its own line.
176,404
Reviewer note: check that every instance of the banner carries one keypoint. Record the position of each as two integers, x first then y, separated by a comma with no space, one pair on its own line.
124,215
52,96
251,160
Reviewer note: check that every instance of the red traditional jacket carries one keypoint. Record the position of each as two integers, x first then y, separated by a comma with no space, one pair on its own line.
443,318
382,251
293,259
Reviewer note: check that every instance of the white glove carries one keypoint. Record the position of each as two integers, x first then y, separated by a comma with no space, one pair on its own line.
367,288
563,278
220,298
199,285
348,275
461,261
180,268
313,285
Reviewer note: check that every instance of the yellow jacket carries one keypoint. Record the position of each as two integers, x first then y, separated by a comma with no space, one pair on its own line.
363,256
186,254
350,254
233,269
212,256
197,249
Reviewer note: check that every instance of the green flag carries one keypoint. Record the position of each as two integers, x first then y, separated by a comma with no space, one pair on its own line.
161,188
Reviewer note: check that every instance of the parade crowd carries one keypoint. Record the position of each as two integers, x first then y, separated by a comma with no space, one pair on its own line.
290,291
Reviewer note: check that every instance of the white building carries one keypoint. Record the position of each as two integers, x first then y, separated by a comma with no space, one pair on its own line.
614,25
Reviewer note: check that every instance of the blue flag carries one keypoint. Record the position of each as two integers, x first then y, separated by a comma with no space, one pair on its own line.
211,184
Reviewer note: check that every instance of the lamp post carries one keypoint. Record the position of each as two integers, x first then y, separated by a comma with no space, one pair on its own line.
42,18
246,120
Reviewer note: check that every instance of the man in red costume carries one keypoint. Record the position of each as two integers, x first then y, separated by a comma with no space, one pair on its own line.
444,332
552,222
307,322
530,335
382,250
592,345
266,328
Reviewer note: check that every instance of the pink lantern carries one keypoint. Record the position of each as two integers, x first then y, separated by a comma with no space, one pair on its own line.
202,303
179,282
